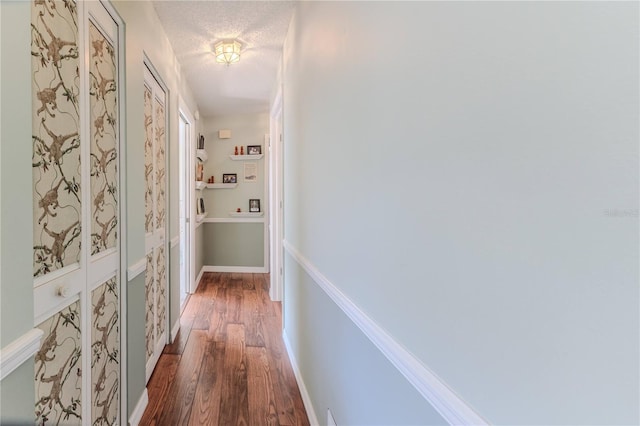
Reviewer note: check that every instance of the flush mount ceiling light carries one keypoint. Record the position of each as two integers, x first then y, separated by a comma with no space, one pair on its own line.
227,51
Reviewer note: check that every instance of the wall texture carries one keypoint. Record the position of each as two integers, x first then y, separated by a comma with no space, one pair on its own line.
16,275
468,177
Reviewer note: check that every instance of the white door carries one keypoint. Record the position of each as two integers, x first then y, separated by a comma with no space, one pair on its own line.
76,189
185,140
155,167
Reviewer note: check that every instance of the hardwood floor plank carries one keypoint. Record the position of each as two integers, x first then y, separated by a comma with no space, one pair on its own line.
206,403
262,405
234,406
178,408
158,387
252,319
228,365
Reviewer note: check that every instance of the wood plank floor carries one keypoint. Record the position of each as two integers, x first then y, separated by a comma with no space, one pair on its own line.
228,364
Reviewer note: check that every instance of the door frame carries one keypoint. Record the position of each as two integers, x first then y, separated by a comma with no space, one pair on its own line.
276,199
185,169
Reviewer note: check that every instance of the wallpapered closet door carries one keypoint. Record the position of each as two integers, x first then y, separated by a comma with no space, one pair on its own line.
76,132
155,221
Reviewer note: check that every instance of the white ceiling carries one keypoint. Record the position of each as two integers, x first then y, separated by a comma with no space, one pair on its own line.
244,87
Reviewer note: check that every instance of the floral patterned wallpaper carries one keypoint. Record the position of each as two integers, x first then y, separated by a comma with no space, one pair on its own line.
148,161
105,354
58,372
160,165
161,300
104,140
55,130
149,311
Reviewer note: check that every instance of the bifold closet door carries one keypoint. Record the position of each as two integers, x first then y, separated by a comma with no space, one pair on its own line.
155,221
76,216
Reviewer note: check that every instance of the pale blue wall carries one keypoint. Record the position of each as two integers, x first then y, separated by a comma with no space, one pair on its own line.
461,171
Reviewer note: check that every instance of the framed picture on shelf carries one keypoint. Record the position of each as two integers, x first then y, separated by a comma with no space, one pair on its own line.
250,172
254,205
254,149
230,178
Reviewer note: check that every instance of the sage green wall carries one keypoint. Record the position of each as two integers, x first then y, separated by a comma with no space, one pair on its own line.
234,244
136,352
16,276
200,250
468,177
343,370
174,279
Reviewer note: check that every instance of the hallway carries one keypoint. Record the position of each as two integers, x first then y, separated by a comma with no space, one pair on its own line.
228,364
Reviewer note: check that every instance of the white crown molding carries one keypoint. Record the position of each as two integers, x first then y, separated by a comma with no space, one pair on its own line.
20,350
136,269
443,399
306,399
137,413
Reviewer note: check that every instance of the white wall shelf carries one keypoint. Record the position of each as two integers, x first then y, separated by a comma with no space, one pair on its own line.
202,155
201,184
221,185
246,214
246,157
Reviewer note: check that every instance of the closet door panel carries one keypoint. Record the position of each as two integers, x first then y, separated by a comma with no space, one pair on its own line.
149,289
56,165
105,354
58,369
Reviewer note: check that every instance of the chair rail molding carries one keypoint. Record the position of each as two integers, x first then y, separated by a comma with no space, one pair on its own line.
20,350
441,396
136,269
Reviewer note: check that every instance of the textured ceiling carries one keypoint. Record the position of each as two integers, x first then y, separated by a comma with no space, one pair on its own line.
244,87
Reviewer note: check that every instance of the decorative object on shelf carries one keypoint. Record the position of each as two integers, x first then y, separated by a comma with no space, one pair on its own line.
202,210
200,172
242,150
250,172
254,149
201,142
212,180
235,152
238,210
230,178
254,205
227,51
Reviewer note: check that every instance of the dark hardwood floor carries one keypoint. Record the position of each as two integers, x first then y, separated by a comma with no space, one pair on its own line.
228,364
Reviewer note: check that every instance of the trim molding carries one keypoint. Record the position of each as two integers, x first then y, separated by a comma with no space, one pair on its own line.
443,399
175,330
137,413
136,269
20,350
306,399
174,241
199,277
246,269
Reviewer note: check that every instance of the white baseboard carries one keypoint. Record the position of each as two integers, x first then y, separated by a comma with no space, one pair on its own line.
245,269
306,399
199,277
136,416
437,393
175,330
17,352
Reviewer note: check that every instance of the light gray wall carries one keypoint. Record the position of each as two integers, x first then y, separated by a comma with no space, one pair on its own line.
468,177
234,244
136,353
200,249
16,276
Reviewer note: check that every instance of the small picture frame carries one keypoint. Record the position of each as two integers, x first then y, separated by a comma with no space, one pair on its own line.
254,149
230,178
254,205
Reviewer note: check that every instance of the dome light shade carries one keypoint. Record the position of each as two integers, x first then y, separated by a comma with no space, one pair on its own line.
227,51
